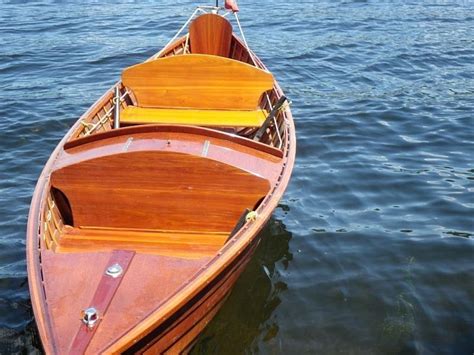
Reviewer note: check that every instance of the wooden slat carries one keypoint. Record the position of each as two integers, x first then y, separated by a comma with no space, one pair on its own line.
170,243
197,81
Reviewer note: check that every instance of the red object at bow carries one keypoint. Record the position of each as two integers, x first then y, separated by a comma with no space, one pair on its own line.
231,5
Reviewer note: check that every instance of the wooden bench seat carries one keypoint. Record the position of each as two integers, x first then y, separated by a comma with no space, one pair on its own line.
197,90
209,118
197,81
190,245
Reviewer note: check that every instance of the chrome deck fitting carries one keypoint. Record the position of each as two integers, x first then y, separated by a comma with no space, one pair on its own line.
90,316
114,271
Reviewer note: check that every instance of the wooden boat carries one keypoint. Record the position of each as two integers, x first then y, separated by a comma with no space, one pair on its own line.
149,208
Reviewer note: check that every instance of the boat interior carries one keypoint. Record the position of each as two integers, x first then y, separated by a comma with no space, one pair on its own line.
181,170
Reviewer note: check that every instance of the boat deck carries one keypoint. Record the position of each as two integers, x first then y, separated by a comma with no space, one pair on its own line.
150,280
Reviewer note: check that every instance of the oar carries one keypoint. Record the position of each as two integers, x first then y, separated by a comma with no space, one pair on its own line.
269,118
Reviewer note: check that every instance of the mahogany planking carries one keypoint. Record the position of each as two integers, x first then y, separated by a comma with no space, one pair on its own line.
252,160
158,190
191,319
104,294
71,281
210,34
189,245
197,81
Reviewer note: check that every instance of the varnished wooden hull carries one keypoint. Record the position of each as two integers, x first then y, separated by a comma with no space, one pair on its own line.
174,281
179,332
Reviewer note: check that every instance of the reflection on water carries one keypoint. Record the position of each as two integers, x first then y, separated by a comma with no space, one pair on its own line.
21,334
247,317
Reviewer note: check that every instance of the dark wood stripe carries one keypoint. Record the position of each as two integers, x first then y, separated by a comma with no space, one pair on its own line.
103,296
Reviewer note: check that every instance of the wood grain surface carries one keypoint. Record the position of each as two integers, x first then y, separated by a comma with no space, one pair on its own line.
197,81
158,190
71,281
180,244
103,296
208,118
210,34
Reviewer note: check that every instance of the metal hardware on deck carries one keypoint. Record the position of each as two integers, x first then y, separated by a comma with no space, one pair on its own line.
117,108
90,316
101,300
251,216
114,271
240,223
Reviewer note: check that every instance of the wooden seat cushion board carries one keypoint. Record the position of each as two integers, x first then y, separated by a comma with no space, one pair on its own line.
210,34
170,243
210,118
197,81
158,190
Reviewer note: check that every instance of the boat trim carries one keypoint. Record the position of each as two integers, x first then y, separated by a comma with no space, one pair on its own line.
174,128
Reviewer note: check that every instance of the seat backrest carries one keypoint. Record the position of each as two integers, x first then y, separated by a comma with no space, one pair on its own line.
210,34
190,192
197,81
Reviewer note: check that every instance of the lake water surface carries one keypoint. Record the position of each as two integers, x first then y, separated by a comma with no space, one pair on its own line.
371,250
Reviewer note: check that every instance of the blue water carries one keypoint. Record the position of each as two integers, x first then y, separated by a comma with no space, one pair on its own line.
371,250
